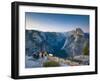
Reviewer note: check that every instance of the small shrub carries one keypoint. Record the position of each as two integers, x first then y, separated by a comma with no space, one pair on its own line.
51,64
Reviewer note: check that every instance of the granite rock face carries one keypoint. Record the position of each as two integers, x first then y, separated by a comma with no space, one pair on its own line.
61,44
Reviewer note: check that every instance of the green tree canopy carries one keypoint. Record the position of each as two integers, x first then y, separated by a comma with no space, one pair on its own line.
86,49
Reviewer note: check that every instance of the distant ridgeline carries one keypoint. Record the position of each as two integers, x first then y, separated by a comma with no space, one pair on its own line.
60,44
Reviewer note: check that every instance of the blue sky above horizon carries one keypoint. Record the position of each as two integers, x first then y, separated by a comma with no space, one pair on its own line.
49,22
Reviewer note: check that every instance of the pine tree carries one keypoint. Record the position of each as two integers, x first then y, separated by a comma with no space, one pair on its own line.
86,50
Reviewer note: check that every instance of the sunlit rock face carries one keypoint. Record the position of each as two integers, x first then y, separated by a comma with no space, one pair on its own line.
75,42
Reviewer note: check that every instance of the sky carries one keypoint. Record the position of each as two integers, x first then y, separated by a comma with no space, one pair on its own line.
49,22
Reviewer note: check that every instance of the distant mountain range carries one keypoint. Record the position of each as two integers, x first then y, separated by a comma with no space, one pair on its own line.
61,44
